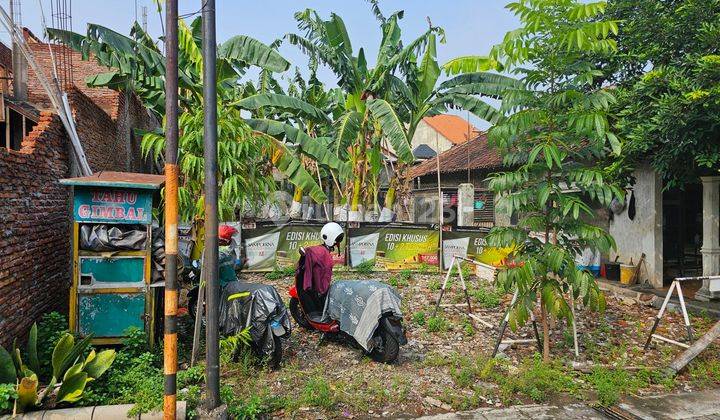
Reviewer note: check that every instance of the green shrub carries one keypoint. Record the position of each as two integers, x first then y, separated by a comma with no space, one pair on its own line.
468,328
486,297
437,324
365,267
419,318
538,380
398,281
317,393
611,384
8,394
434,285
51,327
280,273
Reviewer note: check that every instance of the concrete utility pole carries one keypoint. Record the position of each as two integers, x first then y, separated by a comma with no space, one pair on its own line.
171,209
212,343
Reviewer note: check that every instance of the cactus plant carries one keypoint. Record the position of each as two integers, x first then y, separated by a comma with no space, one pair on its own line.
71,372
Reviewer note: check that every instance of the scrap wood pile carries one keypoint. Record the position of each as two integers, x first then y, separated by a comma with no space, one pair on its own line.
447,366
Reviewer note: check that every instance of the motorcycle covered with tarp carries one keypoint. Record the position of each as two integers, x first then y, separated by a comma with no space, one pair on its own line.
365,311
260,309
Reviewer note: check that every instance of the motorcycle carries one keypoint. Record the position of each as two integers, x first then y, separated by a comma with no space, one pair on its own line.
259,309
335,314
256,307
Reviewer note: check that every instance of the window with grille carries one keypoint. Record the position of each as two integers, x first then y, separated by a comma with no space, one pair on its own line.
484,206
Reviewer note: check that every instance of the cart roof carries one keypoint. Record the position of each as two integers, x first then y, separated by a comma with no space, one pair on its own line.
118,179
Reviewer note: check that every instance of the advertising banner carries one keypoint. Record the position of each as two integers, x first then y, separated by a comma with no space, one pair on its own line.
470,244
274,246
393,247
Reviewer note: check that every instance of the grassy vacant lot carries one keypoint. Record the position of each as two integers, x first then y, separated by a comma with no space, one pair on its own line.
446,364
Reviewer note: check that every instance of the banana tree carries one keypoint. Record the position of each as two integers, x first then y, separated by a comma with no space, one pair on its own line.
246,156
369,117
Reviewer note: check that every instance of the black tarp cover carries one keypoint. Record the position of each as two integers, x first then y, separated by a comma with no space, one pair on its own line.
112,238
264,305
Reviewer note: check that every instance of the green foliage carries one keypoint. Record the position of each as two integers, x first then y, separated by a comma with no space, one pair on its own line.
318,393
52,326
280,273
365,267
400,280
8,394
538,380
667,81
485,296
434,285
555,136
419,318
611,384
245,157
437,324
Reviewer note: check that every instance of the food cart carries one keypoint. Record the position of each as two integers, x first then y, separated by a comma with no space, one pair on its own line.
111,239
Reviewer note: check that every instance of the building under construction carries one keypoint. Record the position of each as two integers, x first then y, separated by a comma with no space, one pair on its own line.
35,152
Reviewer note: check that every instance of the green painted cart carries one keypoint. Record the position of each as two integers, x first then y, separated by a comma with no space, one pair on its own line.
111,286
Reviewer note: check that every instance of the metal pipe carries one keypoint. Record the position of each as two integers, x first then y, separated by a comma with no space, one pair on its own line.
212,291
171,210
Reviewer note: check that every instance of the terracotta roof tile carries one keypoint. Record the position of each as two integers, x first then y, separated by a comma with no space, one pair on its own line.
474,154
452,127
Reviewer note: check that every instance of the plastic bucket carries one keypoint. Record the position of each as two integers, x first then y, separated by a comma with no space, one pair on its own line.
626,273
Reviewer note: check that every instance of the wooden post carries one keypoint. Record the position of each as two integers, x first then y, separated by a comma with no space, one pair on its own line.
440,198
696,348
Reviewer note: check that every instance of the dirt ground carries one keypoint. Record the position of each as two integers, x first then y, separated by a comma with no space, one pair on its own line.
446,364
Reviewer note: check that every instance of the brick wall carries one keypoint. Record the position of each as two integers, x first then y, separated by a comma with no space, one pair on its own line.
34,229
35,218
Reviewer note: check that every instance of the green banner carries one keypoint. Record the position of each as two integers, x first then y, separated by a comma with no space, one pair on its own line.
393,248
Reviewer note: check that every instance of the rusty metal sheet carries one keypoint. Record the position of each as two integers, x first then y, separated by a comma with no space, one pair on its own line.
118,179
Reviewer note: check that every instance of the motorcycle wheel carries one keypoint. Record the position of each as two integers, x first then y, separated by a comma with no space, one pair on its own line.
386,349
273,362
298,314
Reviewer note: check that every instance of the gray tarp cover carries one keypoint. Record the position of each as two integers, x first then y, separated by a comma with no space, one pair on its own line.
358,305
267,306
112,238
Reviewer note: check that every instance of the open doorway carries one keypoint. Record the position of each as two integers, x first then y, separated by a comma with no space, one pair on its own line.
682,234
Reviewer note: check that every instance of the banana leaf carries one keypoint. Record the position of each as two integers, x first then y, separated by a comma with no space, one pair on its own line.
249,51
392,128
283,102
314,148
284,160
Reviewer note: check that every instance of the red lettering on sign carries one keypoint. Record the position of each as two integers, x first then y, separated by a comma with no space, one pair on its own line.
84,211
140,213
131,197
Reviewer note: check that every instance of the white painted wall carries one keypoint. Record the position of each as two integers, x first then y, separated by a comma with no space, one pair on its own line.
425,134
644,233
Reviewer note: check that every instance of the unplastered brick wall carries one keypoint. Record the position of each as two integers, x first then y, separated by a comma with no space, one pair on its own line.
106,119
34,229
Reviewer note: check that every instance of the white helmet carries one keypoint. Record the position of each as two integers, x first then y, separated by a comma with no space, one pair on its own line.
332,234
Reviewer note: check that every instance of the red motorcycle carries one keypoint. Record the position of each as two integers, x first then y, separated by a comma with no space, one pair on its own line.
307,308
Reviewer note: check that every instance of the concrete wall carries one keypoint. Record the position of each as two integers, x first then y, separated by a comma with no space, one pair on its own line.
425,134
644,233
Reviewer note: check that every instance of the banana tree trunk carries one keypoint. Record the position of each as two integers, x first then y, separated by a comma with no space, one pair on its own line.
296,205
387,213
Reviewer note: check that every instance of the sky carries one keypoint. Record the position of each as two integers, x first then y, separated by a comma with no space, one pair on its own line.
472,26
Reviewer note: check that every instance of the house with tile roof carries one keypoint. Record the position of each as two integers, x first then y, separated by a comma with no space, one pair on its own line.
467,164
447,129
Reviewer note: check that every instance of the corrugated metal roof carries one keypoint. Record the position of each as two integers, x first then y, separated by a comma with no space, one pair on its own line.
474,154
